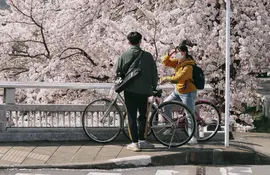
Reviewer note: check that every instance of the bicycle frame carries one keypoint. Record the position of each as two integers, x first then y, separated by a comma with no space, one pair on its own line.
118,96
114,102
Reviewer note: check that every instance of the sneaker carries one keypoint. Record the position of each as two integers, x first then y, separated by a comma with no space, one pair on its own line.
143,144
167,132
193,141
133,147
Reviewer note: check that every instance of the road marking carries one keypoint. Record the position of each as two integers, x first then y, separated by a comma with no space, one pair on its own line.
30,174
223,171
166,172
240,169
246,170
228,170
99,173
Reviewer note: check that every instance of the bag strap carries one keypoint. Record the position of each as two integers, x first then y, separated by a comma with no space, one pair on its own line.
134,64
192,72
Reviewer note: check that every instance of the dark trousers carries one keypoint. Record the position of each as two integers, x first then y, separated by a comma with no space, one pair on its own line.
135,102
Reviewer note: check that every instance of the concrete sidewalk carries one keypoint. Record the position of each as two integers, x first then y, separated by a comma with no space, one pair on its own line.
246,148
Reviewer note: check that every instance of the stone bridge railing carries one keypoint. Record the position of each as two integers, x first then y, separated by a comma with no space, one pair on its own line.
28,122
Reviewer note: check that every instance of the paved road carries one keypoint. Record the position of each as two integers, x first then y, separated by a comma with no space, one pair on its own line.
170,170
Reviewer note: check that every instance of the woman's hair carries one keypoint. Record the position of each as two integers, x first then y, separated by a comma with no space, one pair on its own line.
182,47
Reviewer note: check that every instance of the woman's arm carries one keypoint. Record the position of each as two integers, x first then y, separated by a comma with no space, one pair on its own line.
169,62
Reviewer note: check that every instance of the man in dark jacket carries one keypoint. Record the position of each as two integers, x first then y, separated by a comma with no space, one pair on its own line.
137,93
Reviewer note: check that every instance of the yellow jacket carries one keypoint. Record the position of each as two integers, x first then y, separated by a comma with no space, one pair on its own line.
183,74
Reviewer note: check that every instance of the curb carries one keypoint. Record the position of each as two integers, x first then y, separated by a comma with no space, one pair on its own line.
189,157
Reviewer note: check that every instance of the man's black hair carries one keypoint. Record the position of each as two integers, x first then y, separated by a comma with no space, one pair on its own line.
134,38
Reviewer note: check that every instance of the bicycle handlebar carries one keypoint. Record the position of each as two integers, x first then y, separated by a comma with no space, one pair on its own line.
157,92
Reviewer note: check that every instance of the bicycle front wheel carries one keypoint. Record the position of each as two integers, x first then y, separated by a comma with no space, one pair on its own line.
102,120
172,124
208,119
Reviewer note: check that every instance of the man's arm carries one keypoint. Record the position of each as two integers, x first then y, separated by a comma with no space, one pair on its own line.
119,67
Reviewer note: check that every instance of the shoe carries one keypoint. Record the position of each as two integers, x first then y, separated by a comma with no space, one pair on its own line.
193,141
167,132
143,144
133,147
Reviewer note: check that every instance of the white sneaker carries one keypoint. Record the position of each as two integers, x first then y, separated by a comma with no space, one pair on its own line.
167,132
193,141
143,144
133,147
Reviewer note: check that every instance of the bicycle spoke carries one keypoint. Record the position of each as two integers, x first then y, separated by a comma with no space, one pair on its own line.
172,138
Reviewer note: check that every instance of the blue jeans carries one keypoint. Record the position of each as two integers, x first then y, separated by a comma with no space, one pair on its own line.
189,100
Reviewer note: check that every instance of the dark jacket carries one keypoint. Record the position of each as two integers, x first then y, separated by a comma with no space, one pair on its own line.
147,80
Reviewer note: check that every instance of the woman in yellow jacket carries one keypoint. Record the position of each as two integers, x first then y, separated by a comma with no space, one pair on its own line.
185,90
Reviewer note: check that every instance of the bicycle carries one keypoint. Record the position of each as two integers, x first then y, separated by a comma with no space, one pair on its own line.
208,120
208,117
111,107
108,115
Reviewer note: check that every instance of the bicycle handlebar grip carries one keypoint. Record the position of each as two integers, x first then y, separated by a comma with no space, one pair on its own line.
157,93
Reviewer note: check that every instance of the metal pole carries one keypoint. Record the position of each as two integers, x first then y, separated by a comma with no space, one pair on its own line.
227,82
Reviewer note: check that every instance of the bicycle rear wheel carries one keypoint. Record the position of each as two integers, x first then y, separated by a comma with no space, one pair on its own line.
208,120
176,130
102,120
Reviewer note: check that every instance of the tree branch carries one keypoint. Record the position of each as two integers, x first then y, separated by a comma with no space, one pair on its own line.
19,10
23,41
77,53
15,74
192,4
100,78
26,55
79,12
36,23
155,42
11,68
19,22
91,19
19,69
82,52
44,41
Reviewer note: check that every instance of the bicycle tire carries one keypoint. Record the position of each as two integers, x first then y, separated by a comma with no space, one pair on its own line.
158,128
91,121
206,123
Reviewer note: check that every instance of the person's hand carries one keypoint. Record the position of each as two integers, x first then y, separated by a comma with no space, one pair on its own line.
164,80
171,52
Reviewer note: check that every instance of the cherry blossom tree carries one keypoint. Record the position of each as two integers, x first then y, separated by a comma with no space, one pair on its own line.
72,41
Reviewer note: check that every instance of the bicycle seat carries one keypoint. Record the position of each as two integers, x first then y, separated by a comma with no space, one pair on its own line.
157,93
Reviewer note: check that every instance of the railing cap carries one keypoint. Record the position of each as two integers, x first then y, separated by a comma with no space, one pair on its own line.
57,85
